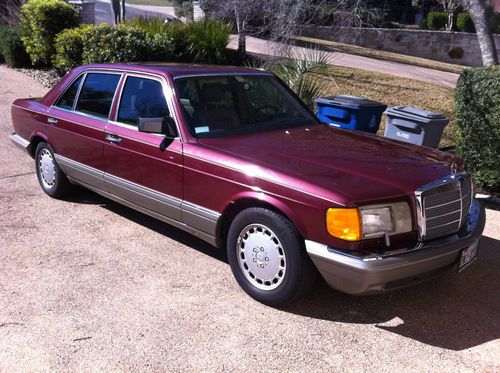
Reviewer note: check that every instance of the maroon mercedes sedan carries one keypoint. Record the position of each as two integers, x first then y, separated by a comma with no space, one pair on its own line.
232,156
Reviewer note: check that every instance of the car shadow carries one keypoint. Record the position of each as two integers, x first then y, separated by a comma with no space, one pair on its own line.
456,311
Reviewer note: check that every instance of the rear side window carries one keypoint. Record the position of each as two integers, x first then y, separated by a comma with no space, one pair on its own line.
97,94
143,98
68,98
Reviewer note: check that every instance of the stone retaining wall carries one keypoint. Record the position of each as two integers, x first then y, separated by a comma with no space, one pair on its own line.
452,47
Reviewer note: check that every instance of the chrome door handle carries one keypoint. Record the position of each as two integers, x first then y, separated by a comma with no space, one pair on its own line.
114,139
52,120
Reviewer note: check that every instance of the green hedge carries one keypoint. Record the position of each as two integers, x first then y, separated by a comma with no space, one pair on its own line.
464,22
41,21
69,48
12,49
477,114
437,20
114,44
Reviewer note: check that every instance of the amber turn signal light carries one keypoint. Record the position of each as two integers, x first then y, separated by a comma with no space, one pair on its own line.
344,223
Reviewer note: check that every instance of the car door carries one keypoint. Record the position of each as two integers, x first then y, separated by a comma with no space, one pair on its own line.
77,123
138,170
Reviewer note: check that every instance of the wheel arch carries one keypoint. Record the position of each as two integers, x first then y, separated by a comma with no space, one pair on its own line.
248,200
36,139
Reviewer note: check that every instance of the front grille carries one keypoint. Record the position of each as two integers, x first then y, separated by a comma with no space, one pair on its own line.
443,206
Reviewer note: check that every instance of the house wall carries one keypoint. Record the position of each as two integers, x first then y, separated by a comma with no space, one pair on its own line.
452,47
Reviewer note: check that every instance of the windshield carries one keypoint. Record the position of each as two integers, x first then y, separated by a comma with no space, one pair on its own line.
234,104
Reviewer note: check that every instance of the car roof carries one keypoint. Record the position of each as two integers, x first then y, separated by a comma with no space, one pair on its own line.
175,69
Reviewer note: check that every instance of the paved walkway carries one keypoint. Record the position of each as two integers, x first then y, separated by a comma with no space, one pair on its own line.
256,45
104,13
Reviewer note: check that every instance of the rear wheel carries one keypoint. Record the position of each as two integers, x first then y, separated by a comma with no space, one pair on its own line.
50,176
268,258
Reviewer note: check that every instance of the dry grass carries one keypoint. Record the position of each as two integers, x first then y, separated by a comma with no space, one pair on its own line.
392,91
381,55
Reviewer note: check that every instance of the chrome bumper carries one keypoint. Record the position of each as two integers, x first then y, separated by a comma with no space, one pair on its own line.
375,274
19,141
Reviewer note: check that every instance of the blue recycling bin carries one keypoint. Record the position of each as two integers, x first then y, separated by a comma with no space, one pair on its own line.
349,112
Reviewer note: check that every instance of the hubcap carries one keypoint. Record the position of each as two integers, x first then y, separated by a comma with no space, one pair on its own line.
261,257
46,168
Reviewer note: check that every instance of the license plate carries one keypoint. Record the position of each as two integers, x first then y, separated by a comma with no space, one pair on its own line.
468,256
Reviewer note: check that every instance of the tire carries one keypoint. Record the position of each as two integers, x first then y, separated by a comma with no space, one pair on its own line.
49,174
268,257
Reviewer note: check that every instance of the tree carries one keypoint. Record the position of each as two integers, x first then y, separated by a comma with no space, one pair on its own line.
10,11
477,11
281,20
118,7
450,7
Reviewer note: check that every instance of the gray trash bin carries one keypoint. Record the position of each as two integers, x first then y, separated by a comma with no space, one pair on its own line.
415,126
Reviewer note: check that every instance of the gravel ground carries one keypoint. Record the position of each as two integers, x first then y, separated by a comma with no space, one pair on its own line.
88,285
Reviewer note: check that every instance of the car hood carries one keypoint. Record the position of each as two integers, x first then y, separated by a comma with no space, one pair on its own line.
344,166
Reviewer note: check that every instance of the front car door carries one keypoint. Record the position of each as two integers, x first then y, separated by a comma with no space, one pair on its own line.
137,169
78,120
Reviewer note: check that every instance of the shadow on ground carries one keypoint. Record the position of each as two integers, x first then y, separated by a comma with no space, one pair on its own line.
456,311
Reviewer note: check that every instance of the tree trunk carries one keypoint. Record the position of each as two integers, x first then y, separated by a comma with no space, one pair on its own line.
477,11
115,7
449,26
240,27
122,10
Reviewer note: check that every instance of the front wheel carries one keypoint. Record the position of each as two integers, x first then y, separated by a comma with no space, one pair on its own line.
268,258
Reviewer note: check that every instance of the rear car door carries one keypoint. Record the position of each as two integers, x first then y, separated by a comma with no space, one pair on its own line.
137,169
77,123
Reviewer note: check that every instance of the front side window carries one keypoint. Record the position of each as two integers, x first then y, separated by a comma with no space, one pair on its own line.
225,105
141,98
68,98
96,95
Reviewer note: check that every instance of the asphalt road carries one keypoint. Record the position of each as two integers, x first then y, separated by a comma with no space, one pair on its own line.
89,285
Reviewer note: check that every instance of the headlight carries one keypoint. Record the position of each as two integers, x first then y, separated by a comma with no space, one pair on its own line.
353,224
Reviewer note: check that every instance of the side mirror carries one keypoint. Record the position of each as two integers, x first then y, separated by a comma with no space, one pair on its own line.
163,126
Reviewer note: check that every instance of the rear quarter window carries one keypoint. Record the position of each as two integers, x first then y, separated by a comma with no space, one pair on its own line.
68,98
96,95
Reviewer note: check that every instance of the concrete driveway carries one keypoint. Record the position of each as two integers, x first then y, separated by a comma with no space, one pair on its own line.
88,285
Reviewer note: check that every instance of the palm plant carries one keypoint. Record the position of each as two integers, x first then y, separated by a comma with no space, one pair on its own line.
297,73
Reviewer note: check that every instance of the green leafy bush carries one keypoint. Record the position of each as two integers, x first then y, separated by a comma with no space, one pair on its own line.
12,49
464,22
114,44
437,20
69,48
41,21
477,114
207,40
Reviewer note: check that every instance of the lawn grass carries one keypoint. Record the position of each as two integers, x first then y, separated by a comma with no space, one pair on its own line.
150,2
381,55
392,91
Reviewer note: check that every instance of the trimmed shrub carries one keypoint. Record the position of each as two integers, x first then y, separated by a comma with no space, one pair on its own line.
477,114
12,48
437,20
464,22
69,48
114,44
41,21
207,40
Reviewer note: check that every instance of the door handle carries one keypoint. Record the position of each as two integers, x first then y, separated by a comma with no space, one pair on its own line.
114,139
52,121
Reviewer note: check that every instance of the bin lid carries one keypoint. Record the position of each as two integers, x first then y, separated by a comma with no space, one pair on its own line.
351,101
415,114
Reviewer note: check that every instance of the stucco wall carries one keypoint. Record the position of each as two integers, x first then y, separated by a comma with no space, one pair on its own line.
453,47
